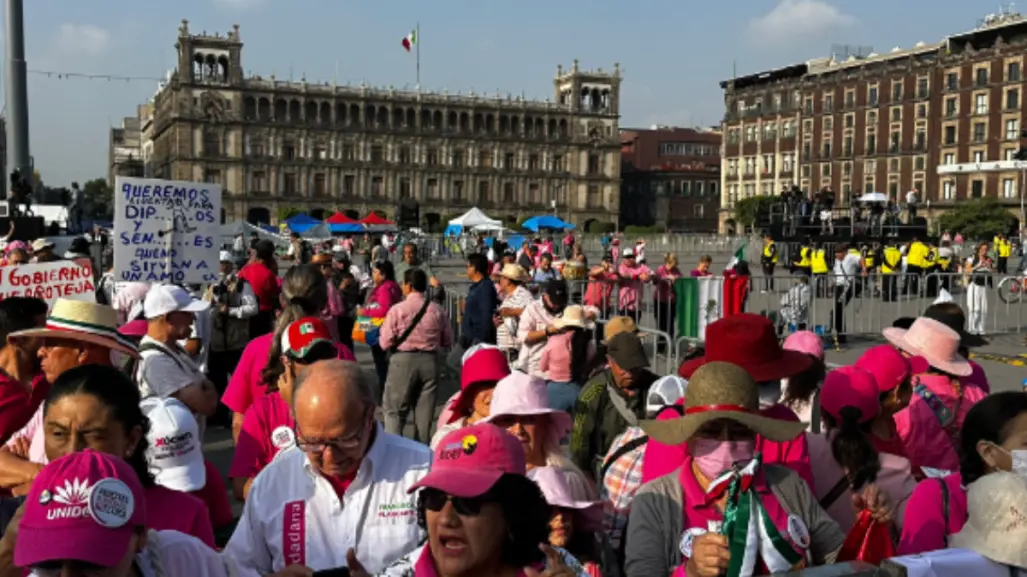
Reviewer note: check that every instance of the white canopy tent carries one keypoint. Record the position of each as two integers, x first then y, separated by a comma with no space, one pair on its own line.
472,218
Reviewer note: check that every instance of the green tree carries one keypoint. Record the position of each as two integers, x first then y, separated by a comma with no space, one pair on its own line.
287,212
979,218
752,210
99,199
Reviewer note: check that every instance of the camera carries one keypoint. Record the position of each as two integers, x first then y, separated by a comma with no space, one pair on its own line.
220,292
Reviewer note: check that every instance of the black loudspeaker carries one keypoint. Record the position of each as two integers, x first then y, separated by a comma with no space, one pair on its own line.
26,228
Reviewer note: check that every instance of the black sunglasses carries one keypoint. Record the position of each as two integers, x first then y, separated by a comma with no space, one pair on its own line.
434,500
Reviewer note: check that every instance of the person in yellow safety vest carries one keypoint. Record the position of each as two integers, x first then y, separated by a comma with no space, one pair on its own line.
768,260
916,264
930,278
891,268
945,265
818,265
804,264
1003,250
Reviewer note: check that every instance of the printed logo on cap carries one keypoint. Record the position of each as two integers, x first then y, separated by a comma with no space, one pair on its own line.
283,437
307,328
111,503
45,497
172,446
469,444
70,500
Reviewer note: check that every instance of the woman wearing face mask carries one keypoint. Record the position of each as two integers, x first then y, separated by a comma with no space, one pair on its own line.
723,477
115,538
483,368
481,513
929,427
844,459
268,425
993,438
572,523
97,407
520,404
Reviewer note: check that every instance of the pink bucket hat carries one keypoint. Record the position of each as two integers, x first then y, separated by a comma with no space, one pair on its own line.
553,483
469,461
485,365
521,394
935,342
850,387
889,367
82,507
805,342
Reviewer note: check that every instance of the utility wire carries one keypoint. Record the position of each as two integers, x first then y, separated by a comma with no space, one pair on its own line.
89,76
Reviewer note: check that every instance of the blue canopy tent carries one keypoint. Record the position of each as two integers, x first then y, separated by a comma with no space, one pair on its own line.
302,223
346,228
536,223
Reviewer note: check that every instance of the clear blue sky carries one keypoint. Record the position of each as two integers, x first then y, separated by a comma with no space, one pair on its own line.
673,53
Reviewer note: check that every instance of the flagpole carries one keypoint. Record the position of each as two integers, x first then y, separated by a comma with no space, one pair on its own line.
417,45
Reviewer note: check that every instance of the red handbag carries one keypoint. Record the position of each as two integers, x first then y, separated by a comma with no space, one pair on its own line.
868,541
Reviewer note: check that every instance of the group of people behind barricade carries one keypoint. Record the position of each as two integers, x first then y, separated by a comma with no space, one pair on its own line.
560,455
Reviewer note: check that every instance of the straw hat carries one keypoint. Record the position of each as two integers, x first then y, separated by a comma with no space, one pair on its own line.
997,525
514,272
719,390
82,321
572,317
935,342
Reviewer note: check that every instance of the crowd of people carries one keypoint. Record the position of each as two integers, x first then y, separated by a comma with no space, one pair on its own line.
560,455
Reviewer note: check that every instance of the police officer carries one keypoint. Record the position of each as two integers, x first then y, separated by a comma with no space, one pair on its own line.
768,260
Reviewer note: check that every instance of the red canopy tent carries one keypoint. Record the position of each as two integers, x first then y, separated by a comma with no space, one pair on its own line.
374,220
339,218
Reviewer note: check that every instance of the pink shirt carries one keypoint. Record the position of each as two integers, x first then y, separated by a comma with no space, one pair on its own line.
928,444
267,428
334,309
556,358
245,385
178,511
631,282
666,276
33,430
432,333
382,298
895,479
925,527
662,459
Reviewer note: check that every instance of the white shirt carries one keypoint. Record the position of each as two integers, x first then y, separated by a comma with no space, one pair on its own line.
202,329
911,197
506,333
174,554
293,515
847,269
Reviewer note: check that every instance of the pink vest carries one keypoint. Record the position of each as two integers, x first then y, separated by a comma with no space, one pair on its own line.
928,443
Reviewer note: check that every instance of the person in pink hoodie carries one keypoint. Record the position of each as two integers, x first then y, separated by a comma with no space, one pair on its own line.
993,438
930,425
749,341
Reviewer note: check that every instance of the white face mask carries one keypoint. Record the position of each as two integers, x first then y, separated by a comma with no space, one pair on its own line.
1018,458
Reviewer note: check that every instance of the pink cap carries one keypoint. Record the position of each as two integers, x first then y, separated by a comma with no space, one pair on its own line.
805,342
486,365
850,387
889,367
82,507
469,461
523,395
136,328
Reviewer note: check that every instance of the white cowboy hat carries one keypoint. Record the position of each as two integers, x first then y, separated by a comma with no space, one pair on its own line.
996,527
82,321
573,317
514,272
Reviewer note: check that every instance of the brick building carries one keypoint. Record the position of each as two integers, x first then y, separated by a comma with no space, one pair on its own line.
883,122
670,178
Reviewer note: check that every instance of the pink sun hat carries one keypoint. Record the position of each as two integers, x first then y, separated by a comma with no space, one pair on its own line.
935,342
805,342
850,387
553,482
520,394
84,507
469,461
889,367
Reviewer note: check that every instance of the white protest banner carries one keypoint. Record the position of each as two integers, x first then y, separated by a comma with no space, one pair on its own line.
65,279
166,230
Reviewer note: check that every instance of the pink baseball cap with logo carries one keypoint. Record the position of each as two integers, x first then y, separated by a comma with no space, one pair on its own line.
82,507
889,367
469,461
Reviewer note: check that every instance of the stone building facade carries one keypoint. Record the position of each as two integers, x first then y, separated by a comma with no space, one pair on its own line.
884,122
322,147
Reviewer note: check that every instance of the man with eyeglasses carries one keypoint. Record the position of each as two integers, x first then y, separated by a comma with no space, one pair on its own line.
344,485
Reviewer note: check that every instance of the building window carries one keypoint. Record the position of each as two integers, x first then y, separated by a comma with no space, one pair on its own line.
893,142
510,162
980,132
349,152
686,188
850,120
919,163
847,145
980,104
922,87
950,135
377,154
697,210
893,165
828,123
377,188
558,163
483,191
1012,129
981,76
732,136
458,158
593,198
484,160
948,190
750,165
458,191
349,185
711,188
871,144
1013,99
699,190
978,156
829,103
1009,154
825,169
769,131
893,189
896,113
432,192
952,81
788,163
1013,72
750,133
320,185
872,96
896,92
868,186
949,158
533,163
920,140
508,193
732,167
404,188
847,169
827,147
259,181
921,111
289,183
593,164
850,98
289,150
1009,188
768,164
951,107
977,188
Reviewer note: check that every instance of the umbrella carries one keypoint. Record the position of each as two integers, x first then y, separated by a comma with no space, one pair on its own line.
874,197
374,219
339,218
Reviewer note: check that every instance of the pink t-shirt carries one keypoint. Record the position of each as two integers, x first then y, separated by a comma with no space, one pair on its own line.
245,386
178,511
925,527
267,428
33,430
662,459
928,444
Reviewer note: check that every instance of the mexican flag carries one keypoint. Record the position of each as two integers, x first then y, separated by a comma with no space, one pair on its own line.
738,257
703,300
410,40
